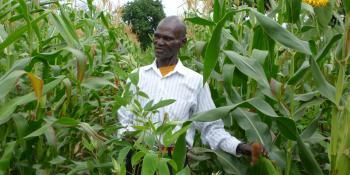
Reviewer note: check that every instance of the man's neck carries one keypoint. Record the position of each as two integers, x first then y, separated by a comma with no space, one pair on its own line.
167,62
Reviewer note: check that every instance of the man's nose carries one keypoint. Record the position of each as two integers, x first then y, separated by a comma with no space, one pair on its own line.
159,41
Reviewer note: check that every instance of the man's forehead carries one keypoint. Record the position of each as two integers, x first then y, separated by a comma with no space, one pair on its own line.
171,25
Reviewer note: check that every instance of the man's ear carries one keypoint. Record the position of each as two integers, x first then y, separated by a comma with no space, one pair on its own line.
183,41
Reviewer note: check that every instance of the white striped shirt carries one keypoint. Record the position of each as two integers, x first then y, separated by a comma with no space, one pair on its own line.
186,87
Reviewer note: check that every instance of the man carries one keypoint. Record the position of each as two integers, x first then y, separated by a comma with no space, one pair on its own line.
168,78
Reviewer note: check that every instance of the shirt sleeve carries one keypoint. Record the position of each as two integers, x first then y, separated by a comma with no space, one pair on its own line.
213,133
125,117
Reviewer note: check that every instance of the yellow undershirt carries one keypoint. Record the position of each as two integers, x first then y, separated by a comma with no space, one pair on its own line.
166,69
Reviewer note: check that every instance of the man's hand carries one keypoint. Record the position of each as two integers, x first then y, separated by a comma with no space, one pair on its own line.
249,149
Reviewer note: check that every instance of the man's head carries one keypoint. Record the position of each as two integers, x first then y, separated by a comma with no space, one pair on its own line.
169,37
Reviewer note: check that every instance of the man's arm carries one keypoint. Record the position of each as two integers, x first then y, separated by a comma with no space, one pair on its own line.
213,133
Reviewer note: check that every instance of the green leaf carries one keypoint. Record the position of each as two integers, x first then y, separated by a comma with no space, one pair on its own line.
319,58
42,130
324,14
264,166
134,77
14,36
255,130
262,106
307,158
287,128
179,155
149,164
200,21
212,51
347,6
226,162
169,138
8,83
161,104
281,35
136,158
310,129
67,121
6,157
293,8
8,108
97,83
326,89
65,30
185,171
163,167
21,125
215,114
123,153
252,69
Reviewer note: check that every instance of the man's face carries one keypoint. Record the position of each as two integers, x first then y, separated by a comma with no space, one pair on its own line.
167,41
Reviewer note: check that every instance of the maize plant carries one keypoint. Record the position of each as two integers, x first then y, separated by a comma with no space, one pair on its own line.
277,69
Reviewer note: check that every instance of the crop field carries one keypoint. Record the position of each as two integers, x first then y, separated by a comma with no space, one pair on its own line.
277,71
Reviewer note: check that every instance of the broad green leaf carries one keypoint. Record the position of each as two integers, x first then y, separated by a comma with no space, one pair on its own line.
81,62
322,85
8,83
21,124
85,127
215,114
264,166
14,36
319,58
163,167
226,162
8,108
293,8
347,6
260,55
222,112
161,104
18,65
324,15
67,121
218,9
65,30
179,155
255,130
262,106
307,158
136,158
123,153
281,35
252,69
170,138
185,171
200,21
6,157
150,164
37,85
287,127
97,83
134,77
212,51
42,130
310,129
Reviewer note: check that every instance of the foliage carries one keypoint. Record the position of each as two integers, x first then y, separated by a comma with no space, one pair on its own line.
143,16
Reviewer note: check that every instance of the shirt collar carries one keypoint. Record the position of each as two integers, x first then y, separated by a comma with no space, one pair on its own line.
180,68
